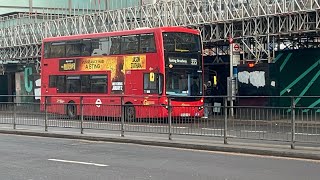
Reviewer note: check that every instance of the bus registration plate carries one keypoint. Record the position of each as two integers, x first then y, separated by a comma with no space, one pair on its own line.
185,114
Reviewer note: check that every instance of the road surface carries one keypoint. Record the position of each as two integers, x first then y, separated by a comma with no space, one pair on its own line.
36,158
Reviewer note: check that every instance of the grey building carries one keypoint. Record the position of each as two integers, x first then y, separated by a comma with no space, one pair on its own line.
19,78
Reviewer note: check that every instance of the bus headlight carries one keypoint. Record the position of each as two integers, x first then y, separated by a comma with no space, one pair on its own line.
200,107
165,106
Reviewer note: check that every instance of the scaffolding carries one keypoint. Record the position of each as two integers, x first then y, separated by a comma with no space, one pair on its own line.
260,26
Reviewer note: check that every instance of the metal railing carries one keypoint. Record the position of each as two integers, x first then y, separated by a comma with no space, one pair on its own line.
254,118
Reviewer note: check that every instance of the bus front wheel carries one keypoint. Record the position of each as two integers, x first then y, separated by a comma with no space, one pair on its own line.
130,113
72,110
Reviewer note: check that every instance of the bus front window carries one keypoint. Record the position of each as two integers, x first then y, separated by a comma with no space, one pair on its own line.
182,83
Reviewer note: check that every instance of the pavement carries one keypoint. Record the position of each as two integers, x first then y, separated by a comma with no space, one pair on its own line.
281,149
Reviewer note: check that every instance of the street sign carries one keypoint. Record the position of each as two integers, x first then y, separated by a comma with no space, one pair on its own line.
236,47
230,40
236,59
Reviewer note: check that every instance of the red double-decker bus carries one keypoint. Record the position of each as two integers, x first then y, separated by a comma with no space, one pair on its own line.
143,66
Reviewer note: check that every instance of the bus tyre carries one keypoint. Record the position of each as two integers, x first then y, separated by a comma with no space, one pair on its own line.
130,113
72,110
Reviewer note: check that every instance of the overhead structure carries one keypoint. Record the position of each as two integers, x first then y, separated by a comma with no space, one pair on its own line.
260,26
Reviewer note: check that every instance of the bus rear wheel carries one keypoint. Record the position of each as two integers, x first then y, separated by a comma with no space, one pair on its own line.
130,113
72,110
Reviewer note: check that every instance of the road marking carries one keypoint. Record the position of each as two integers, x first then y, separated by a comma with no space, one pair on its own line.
241,154
253,131
4,127
78,162
305,134
212,129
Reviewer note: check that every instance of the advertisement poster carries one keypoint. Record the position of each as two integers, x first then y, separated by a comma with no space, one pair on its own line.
117,65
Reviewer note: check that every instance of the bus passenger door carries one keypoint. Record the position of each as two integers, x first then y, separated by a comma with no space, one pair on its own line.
132,80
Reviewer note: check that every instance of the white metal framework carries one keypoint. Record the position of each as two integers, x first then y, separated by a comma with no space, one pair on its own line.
260,26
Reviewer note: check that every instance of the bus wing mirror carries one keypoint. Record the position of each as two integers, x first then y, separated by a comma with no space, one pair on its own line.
160,81
215,81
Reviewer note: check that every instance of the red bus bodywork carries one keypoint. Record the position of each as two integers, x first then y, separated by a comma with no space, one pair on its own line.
145,105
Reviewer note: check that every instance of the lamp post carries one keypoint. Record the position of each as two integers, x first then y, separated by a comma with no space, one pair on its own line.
231,41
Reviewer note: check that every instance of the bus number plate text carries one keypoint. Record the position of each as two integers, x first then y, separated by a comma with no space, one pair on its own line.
185,114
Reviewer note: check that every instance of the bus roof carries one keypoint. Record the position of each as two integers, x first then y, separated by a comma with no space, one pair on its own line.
119,33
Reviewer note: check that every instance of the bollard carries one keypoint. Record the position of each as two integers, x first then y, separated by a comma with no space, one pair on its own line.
293,123
225,120
169,118
45,113
81,111
122,116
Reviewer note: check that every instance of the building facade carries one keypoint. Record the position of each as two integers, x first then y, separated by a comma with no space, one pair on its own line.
21,79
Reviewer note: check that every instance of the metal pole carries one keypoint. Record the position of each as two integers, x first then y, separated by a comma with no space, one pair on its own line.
122,116
225,121
30,6
106,5
293,123
169,118
231,78
70,7
14,113
81,111
141,13
46,113
268,43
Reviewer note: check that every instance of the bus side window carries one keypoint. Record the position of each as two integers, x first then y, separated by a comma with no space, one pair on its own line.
147,43
52,81
61,83
86,47
105,46
85,84
47,50
73,84
150,87
130,44
115,45
99,83
57,49
73,48
95,48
